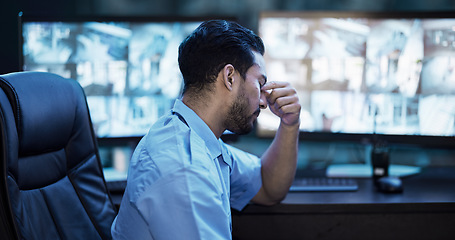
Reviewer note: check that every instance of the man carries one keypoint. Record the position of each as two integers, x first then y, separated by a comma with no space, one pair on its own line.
183,180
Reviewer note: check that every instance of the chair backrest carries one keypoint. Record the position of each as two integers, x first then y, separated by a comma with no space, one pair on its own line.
51,167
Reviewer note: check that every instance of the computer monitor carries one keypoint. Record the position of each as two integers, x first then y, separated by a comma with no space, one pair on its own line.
127,65
365,76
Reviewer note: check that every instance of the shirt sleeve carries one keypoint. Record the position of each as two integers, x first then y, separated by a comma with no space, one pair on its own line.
246,178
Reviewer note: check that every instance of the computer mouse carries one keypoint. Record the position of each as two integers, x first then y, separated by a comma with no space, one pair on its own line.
389,184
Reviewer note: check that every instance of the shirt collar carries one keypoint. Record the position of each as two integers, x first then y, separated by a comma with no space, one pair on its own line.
196,124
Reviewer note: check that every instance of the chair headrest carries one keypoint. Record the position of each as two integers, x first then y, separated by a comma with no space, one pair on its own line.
45,107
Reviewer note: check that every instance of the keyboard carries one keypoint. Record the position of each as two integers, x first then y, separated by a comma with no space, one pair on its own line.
324,184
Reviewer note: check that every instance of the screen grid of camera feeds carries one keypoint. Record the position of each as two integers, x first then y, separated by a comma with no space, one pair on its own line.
128,70
364,75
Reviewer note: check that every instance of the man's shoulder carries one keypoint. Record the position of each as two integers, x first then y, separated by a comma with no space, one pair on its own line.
167,133
166,127
170,139
161,151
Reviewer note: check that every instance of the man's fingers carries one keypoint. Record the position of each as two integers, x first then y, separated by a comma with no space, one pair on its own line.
273,85
277,91
285,100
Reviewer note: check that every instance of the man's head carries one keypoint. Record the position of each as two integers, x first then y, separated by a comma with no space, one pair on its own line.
223,70
213,45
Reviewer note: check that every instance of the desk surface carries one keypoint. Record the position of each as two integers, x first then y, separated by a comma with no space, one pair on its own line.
433,186
425,210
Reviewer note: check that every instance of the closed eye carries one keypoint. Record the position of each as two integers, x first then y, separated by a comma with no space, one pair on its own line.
263,81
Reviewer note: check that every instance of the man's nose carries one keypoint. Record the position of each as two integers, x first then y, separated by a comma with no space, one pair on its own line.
263,101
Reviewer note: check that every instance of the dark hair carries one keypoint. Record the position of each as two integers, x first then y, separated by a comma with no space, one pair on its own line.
215,43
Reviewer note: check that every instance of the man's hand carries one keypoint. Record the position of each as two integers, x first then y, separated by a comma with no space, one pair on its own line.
279,162
283,101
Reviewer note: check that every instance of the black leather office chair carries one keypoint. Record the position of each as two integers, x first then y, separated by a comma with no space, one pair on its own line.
52,181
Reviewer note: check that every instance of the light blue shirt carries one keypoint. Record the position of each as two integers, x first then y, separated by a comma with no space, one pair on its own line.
183,181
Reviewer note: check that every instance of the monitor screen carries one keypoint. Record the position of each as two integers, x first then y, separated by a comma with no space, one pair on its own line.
390,75
127,66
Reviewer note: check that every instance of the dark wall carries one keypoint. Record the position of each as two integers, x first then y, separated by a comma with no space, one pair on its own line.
246,11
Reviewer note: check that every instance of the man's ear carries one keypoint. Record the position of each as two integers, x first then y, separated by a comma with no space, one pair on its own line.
228,76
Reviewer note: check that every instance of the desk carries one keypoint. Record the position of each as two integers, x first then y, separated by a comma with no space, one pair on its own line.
425,210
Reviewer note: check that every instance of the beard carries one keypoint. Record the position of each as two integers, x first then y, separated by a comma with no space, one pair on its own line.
239,120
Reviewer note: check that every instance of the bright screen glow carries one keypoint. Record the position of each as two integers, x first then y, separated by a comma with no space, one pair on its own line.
128,69
360,75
